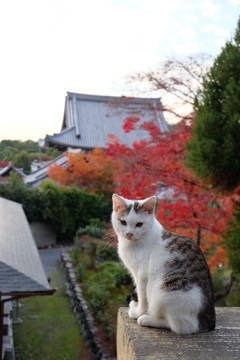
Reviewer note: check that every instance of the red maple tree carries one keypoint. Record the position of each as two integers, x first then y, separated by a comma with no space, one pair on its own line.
185,204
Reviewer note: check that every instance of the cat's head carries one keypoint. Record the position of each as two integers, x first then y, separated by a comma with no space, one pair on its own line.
132,219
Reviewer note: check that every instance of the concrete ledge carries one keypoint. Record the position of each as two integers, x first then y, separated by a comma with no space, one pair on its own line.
135,342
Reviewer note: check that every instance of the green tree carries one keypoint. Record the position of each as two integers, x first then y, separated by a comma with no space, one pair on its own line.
21,153
232,243
214,150
8,153
22,160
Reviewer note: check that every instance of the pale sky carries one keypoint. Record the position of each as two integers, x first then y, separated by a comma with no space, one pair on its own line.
49,47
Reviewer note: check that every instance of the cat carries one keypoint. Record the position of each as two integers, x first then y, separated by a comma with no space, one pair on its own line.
172,279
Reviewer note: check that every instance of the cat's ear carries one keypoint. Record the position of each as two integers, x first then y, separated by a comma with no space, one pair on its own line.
118,202
149,204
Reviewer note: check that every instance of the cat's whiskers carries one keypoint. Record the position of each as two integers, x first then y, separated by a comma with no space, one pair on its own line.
109,238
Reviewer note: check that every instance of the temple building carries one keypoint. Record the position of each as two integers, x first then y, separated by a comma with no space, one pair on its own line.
89,120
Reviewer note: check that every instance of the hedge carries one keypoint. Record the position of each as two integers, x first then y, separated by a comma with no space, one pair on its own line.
67,209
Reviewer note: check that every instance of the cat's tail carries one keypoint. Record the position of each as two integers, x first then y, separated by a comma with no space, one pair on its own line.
207,318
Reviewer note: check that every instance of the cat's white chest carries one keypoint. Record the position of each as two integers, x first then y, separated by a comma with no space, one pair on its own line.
148,258
134,253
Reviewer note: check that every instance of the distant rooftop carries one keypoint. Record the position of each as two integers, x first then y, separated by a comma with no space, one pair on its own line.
5,171
36,177
89,120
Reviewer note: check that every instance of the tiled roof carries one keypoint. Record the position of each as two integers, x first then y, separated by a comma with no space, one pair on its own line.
36,177
21,270
10,167
89,119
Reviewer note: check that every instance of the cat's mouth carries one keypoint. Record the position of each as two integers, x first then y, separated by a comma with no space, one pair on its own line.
130,237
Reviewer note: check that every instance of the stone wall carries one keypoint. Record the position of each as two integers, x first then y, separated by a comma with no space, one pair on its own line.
81,310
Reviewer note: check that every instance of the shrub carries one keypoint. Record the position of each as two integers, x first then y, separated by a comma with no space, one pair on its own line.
122,278
76,252
99,295
107,253
90,250
101,287
73,208
94,229
80,271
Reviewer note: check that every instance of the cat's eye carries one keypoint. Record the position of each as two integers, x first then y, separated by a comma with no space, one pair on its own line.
139,224
123,222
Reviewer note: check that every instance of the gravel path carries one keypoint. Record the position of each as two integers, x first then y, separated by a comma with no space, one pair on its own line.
51,258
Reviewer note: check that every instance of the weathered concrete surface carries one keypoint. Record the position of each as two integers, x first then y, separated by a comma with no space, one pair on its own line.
135,342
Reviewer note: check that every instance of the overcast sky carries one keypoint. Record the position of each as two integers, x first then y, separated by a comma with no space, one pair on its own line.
49,47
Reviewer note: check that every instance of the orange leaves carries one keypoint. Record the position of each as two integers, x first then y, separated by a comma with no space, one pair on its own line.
92,171
58,174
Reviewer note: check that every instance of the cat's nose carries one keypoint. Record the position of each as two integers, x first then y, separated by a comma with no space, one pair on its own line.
129,235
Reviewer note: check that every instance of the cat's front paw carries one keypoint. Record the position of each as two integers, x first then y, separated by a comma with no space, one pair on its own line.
144,320
135,312
147,320
133,304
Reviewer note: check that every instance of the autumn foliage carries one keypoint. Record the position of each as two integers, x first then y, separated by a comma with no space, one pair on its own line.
155,166
185,204
91,172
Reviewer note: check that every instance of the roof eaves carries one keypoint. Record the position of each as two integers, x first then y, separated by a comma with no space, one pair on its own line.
106,98
75,117
10,166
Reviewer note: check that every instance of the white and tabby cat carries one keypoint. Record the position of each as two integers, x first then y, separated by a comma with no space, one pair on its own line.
172,279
